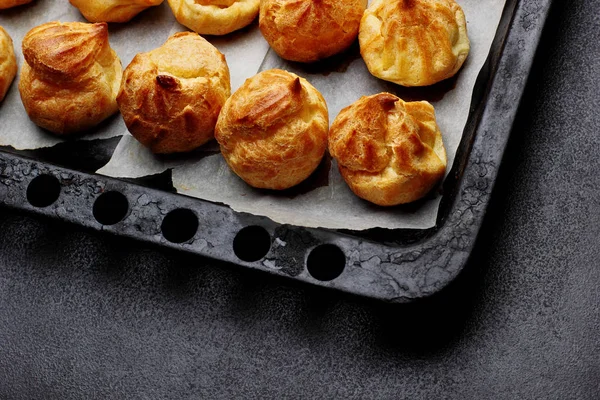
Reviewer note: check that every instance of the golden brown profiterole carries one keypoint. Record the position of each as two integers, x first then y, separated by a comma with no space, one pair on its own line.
70,77
310,30
171,96
4,4
273,130
8,62
215,17
388,151
414,42
112,10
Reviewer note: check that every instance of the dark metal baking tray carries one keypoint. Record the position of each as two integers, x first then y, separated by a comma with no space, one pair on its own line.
391,265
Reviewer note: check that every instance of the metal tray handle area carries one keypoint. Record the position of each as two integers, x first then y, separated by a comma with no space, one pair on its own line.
379,265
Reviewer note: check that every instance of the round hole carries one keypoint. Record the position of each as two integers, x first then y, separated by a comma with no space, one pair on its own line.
179,225
252,243
110,208
43,190
326,262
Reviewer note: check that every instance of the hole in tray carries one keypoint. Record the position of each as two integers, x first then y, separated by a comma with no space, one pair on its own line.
326,262
110,208
179,225
43,190
252,243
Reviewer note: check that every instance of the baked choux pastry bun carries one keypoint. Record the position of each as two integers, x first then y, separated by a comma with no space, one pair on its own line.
215,17
4,4
273,130
8,62
388,151
70,77
310,30
171,96
414,42
112,10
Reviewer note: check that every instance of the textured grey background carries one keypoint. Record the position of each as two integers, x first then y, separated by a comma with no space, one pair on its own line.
85,315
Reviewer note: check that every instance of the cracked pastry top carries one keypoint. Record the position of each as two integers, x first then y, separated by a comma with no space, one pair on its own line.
215,17
273,130
388,151
170,97
70,77
8,62
112,10
310,30
414,42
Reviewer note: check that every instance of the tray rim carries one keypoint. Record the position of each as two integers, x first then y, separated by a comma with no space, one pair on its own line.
428,264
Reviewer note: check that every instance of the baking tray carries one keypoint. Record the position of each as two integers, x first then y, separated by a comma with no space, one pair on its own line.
391,265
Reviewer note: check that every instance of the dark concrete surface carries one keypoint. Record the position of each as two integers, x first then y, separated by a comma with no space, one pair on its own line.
85,315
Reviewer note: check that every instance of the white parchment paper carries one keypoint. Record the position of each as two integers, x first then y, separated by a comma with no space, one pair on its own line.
324,200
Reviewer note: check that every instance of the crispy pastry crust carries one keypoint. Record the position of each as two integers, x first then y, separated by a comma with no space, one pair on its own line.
215,17
70,77
4,4
8,62
414,42
388,151
273,130
171,97
310,30
112,10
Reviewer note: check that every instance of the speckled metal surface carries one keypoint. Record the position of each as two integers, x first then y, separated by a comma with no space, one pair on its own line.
85,315
386,271
378,270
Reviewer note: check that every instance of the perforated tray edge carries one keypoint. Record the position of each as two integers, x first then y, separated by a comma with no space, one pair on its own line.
389,272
